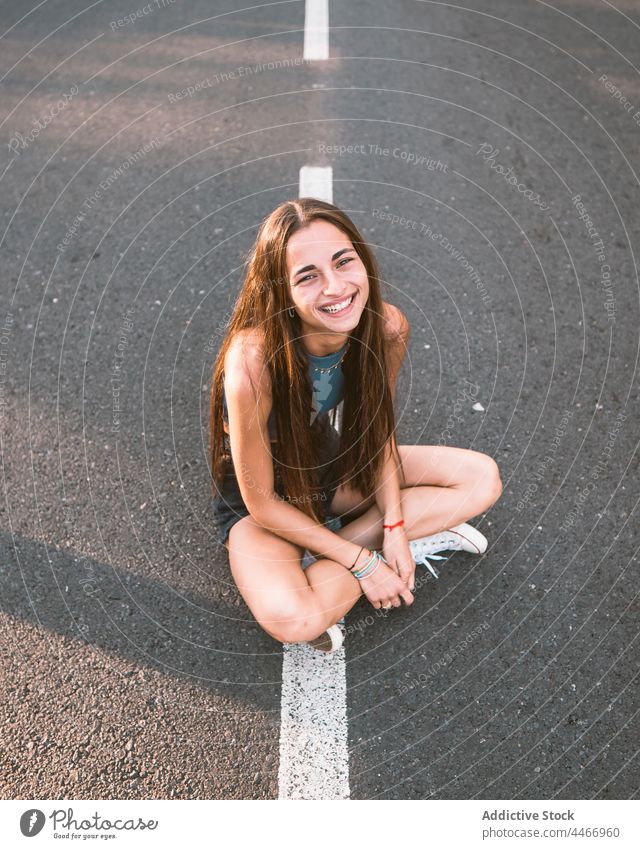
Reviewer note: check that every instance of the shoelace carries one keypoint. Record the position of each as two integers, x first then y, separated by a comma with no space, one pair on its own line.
423,559
425,562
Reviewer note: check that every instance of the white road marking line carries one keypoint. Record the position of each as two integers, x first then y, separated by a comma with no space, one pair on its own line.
314,755
316,181
316,29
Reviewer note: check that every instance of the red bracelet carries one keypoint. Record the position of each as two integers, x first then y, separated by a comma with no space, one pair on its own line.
397,525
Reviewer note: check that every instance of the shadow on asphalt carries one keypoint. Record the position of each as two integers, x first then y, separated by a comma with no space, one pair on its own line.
147,622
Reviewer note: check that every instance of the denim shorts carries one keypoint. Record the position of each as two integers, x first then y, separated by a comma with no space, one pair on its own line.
229,508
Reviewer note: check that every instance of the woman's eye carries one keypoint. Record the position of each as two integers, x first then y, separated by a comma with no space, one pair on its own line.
311,276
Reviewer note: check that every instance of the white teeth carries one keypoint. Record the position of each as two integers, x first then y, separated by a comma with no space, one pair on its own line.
338,307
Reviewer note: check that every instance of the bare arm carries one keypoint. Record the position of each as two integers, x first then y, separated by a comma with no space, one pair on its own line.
395,545
388,493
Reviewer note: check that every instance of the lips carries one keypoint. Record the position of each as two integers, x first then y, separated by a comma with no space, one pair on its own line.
345,305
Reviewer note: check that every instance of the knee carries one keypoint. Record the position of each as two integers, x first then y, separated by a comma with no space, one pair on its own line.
483,480
491,481
291,621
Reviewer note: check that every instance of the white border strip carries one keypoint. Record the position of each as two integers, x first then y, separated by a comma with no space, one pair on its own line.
314,754
316,29
316,182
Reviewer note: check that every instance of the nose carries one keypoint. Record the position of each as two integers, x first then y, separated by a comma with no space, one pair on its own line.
334,285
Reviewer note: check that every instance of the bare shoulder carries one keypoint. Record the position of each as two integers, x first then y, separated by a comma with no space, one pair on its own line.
244,362
396,325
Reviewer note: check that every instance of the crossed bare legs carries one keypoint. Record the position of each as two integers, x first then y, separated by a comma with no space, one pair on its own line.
444,487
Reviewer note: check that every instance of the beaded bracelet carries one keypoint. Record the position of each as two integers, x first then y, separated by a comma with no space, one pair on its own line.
353,565
362,569
370,567
370,571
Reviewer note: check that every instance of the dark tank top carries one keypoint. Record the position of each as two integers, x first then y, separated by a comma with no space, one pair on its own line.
327,381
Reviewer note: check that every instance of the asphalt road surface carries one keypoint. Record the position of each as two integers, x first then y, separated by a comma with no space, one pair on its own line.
142,145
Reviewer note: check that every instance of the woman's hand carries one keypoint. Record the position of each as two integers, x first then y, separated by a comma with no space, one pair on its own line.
396,551
385,588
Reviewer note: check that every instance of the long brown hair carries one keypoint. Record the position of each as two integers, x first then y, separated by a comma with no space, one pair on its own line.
368,420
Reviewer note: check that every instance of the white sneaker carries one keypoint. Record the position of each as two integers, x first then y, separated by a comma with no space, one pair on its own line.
329,641
459,538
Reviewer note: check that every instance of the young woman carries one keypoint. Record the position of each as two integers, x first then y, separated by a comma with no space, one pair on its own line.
310,330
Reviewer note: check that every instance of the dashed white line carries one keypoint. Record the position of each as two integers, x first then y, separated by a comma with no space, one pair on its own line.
314,759
316,29
316,181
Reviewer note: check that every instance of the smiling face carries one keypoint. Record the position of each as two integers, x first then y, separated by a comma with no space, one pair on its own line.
328,285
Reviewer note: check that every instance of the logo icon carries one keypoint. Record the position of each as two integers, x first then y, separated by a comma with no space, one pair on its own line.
31,822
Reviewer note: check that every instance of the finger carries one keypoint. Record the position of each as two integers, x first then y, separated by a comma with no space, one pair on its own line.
409,577
393,565
393,601
409,582
407,596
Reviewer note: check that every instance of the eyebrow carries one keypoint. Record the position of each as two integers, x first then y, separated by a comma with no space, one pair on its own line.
333,259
